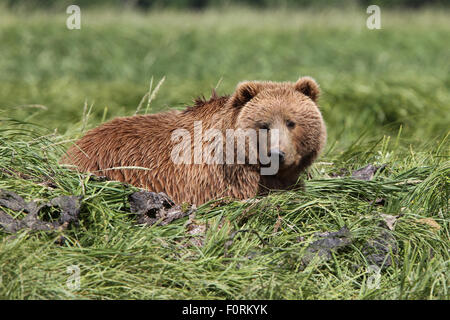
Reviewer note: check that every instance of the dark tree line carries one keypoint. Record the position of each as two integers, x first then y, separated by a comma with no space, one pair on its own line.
200,4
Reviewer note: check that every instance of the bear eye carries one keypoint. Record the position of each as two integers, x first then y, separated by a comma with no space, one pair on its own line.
265,126
290,124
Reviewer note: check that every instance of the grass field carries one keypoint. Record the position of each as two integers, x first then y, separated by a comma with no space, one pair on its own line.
385,99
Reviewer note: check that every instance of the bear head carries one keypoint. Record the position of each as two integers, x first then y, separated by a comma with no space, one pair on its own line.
290,110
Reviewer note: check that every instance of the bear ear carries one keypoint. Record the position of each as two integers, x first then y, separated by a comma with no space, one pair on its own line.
245,91
309,87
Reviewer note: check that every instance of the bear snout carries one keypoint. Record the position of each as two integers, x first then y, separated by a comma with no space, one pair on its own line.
277,153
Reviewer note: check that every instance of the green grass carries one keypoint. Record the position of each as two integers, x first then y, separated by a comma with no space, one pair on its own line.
386,100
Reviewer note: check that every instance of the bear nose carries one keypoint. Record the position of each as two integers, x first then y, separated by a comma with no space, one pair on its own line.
277,153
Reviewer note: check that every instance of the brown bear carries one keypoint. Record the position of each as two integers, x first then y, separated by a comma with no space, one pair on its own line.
166,152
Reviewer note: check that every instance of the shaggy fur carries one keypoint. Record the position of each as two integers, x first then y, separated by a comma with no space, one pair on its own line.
145,141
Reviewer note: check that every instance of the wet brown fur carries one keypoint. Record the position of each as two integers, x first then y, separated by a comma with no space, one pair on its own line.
145,141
